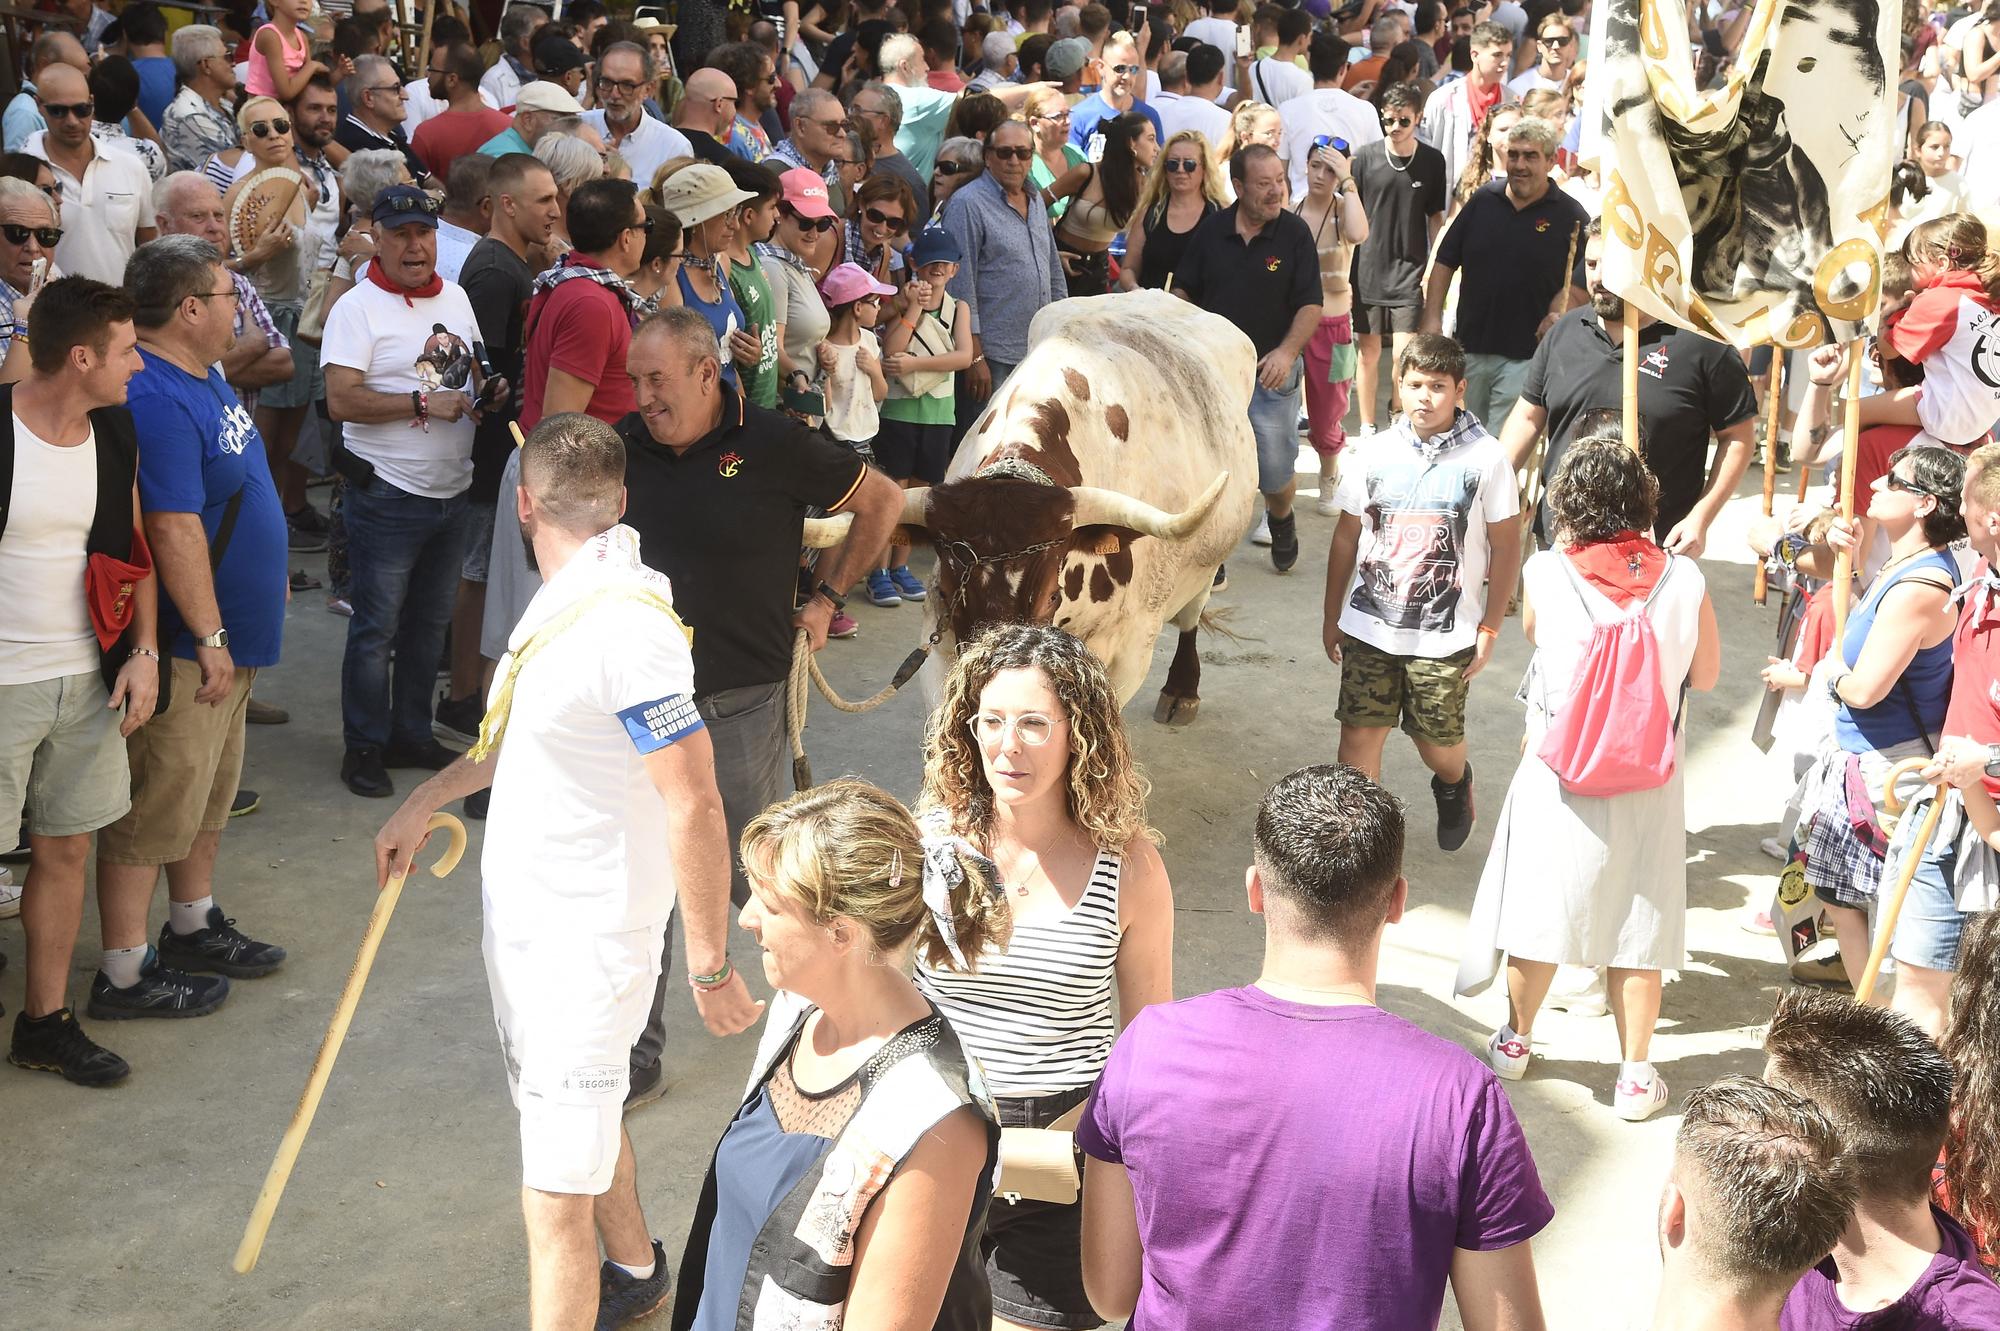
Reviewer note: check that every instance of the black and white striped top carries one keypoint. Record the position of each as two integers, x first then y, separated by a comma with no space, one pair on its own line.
1038,1016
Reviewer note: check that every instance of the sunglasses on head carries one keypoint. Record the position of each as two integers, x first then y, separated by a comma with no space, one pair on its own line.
809,223
264,129
896,225
1012,154
63,111
45,236
1187,164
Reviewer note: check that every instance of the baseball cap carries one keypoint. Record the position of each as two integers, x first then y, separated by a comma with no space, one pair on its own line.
995,49
1066,58
542,95
696,193
934,245
850,282
805,192
399,204
558,55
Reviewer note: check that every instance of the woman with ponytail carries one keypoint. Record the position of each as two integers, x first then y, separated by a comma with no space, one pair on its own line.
852,1183
1103,195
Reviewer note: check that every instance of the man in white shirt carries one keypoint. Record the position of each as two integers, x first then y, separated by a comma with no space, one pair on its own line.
514,67
1216,27
1327,111
624,77
604,813
1188,86
106,193
1555,50
1450,117
1277,78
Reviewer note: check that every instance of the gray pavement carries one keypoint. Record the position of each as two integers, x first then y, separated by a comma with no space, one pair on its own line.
124,1206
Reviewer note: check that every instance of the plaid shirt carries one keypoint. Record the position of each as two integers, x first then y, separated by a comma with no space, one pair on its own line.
788,153
1465,428
250,310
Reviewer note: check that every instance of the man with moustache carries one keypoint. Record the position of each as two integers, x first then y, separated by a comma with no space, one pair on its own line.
623,82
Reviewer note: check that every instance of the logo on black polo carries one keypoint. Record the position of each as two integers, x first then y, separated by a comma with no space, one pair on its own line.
729,464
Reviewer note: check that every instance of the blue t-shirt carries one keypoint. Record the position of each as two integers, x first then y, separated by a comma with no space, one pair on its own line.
1085,115
156,86
197,448
725,316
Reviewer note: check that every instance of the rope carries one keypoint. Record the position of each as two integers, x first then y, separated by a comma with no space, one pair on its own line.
805,665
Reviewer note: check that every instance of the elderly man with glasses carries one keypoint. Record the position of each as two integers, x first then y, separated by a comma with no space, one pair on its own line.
625,78
819,134
375,96
877,111
28,239
1011,268
106,191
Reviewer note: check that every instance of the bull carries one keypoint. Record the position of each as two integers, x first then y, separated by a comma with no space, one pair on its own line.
1110,475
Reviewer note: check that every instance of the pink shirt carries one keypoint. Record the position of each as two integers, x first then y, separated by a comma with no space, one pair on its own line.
258,79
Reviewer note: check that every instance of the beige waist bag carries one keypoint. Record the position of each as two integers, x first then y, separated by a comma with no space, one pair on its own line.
1039,1164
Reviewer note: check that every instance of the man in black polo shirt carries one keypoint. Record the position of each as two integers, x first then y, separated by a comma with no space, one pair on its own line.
1255,264
1690,387
717,490
1512,243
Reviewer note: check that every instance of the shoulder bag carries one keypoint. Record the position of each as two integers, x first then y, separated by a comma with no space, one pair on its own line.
1039,1164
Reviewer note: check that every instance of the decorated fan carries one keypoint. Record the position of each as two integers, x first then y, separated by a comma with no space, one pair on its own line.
263,198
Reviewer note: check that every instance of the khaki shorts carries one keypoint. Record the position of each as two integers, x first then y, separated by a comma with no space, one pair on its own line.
1427,694
185,766
61,761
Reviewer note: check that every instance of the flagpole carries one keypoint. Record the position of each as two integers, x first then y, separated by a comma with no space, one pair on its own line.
1843,568
1632,377
1774,403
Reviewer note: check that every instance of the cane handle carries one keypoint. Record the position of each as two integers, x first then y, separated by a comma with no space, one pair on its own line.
1892,800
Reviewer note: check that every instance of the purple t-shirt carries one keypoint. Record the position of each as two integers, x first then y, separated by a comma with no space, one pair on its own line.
1317,1164
1953,1293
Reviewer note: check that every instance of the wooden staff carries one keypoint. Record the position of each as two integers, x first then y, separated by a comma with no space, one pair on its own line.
1631,377
1892,905
1843,567
424,45
329,1048
1774,410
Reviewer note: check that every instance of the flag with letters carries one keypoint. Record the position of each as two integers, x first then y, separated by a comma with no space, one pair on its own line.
1754,211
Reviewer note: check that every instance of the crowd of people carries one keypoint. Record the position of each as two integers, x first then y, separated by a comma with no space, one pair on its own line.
690,281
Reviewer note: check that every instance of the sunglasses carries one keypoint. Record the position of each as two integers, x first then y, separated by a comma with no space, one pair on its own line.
952,168
1187,164
1012,154
395,88
896,225
45,236
810,223
1325,141
264,129
1553,41
830,126
59,111
1891,481
1398,122
1127,70
645,226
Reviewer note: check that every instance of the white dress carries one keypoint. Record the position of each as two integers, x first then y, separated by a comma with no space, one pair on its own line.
1576,879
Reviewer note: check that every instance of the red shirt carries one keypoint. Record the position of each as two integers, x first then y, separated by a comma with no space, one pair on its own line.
945,80
581,329
1974,710
1625,568
450,135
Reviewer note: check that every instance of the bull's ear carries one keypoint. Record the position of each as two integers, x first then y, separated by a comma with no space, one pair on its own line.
1099,539
910,536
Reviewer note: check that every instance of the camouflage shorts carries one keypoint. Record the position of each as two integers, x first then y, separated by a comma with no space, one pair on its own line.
1427,694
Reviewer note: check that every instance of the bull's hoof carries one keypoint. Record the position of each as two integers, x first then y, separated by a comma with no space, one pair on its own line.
1174,711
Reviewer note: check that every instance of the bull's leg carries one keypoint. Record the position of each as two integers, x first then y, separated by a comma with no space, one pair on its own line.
1180,696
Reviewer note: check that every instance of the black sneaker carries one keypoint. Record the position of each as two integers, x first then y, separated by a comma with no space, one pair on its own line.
458,719
307,518
220,948
299,541
621,1299
160,992
1284,542
246,801
364,774
645,1086
476,802
55,1043
1455,812
426,753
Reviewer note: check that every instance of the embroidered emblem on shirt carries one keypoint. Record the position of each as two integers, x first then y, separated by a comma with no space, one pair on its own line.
728,465
1271,264
1542,225
1655,363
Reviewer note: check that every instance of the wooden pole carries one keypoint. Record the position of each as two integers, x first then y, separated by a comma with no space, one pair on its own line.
1892,905
1843,568
422,70
1774,411
1632,377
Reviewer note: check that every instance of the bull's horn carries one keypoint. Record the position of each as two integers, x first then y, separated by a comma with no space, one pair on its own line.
915,502
1110,508
825,533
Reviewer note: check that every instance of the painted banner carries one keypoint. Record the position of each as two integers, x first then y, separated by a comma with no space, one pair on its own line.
1755,211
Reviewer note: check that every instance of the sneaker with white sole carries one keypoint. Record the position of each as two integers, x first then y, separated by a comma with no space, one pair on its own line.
1261,533
10,895
1637,1101
1509,1056
1775,848
1329,482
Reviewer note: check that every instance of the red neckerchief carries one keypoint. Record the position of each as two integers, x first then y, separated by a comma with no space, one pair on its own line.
1482,102
431,288
1624,567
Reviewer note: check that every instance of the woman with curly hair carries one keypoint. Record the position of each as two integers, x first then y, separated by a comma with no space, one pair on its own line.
1968,1181
1485,163
1027,759
1587,880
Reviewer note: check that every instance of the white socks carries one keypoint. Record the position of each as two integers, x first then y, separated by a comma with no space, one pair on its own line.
186,917
121,965
1639,1074
638,1272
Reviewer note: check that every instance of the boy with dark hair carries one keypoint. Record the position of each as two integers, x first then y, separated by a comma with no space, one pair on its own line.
1887,1088
1408,617
756,219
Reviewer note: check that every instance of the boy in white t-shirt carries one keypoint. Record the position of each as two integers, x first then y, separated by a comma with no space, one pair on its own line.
1430,514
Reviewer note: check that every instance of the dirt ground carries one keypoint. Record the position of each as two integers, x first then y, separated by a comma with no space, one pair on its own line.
124,1206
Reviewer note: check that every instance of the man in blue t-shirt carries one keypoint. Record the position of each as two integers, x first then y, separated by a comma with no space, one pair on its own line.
217,533
1124,80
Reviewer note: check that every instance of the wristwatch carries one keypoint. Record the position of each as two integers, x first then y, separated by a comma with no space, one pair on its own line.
839,601
1993,761
219,638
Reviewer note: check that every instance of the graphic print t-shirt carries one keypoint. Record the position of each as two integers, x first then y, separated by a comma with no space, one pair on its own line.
1420,575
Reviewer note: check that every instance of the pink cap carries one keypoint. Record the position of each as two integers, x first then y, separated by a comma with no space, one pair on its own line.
805,191
850,282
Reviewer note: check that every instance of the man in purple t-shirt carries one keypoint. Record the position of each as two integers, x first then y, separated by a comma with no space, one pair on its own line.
1901,1262
1290,1155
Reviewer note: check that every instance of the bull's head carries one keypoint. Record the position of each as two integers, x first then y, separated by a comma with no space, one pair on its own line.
1001,540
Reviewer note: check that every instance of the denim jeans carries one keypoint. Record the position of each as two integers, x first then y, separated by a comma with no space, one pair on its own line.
1492,385
406,552
1274,420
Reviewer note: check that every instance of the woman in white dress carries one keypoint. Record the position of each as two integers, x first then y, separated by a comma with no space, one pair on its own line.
1583,880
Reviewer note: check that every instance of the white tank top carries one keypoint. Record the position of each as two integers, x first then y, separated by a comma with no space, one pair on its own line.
45,630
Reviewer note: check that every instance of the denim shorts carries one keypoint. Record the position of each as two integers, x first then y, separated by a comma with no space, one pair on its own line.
1034,1250
1928,929
1274,419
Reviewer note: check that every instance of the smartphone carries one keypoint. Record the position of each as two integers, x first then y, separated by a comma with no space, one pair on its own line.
1242,43
1138,17
1094,150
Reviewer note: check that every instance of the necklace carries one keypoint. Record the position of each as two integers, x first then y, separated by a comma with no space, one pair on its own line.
1389,153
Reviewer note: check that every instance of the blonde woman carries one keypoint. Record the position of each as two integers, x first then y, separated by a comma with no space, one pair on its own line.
1027,759
1184,186
1048,121
272,264
1252,122
866,1130
232,164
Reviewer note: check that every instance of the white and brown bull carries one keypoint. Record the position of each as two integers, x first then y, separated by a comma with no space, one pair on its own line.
1110,475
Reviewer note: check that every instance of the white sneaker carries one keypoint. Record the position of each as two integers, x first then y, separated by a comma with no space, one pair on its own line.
1579,991
1775,848
1261,533
1509,1057
1329,481
1636,1102
10,895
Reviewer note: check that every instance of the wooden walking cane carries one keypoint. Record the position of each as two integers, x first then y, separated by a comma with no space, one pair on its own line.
329,1048
1850,447
1885,921
1774,410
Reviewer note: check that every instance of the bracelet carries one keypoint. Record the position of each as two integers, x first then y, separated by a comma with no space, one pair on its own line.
417,404
715,981
976,359
1488,631
144,651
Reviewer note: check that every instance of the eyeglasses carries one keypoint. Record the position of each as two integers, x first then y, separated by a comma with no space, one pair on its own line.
896,225
1187,164
830,126
1013,154
1892,481
626,86
264,129
1061,118
809,223
45,236
395,88
1398,122
1127,70
62,111
952,168
1032,728
215,295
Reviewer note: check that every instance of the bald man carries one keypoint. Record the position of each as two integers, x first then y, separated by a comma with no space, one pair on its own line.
24,115
706,113
104,191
